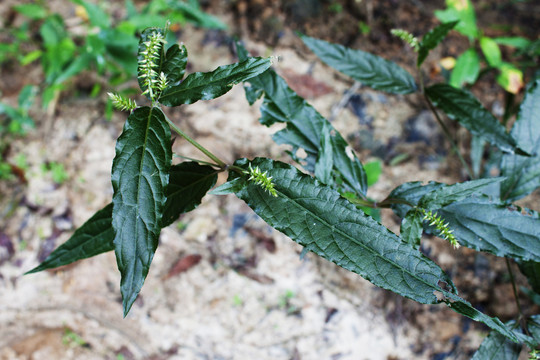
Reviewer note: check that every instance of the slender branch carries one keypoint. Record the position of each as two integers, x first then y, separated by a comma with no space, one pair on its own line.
206,152
443,126
196,160
449,137
514,289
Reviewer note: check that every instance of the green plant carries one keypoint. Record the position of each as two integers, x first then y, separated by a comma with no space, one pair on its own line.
108,48
468,68
322,210
15,122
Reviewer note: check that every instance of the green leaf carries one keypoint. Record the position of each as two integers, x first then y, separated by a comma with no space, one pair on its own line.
210,85
408,195
369,69
32,11
411,228
496,346
432,39
94,237
196,15
230,187
510,78
140,175
517,42
446,195
463,11
304,128
188,183
523,173
477,154
533,324
491,51
373,171
318,218
479,222
463,107
531,270
96,16
175,63
80,63
466,70
325,159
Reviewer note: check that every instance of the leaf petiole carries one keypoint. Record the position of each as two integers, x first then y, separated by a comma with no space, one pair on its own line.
205,151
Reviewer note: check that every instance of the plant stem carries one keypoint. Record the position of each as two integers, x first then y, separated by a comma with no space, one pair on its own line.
443,126
206,152
514,289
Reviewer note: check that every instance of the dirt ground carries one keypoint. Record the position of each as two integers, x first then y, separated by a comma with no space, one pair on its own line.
245,293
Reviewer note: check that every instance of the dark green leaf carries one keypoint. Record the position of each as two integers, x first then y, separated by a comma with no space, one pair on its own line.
411,228
533,325
523,173
188,183
496,346
477,154
463,107
369,69
408,195
446,195
140,175
175,63
304,128
432,39
94,237
210,85
531,269
485,225
466,70
325,161
318,218
480,223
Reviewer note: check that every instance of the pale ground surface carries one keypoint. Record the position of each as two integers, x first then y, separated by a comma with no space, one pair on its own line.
288,308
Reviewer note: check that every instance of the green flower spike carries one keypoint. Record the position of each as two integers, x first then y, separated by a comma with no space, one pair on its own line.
147,66
122,103
444,230
407,37
262,179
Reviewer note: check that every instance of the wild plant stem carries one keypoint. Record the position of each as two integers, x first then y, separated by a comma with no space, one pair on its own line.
205,151
514,289
443,126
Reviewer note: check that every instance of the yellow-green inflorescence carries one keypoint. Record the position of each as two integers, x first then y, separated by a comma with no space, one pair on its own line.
154,82
122,103
407,37
444,230
262,179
